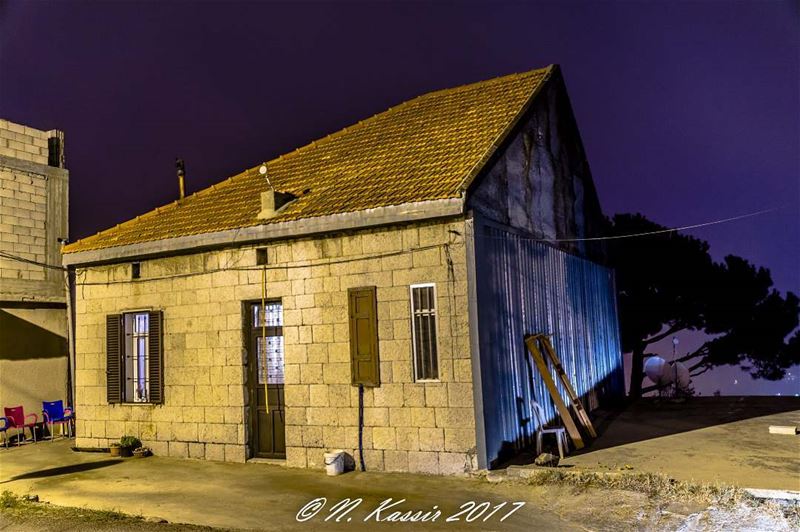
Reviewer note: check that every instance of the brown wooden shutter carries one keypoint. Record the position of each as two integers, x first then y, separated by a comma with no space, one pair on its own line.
114,349
364,362
156,354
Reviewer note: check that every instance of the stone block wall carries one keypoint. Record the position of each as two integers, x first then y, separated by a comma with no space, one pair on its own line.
409,426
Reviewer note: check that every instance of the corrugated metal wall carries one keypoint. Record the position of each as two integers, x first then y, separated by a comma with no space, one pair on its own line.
524,287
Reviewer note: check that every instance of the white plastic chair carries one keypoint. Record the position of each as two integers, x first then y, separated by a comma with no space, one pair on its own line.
560,432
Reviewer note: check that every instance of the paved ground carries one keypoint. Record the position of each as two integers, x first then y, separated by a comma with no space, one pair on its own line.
259,496
249,495
706,439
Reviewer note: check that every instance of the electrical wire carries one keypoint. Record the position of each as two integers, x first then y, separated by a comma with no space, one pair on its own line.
657,232
6,255
265,267
9,256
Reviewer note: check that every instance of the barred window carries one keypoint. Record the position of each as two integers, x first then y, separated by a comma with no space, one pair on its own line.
137,357
423,331
134,358
270,345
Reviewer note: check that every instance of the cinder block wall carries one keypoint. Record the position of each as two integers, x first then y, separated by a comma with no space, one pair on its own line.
33,214
420,427
23,142
23,204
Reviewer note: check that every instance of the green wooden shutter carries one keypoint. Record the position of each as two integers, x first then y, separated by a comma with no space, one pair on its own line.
364,362
156,354
114,361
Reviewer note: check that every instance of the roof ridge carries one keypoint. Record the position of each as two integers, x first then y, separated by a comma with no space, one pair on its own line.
403,104
351,127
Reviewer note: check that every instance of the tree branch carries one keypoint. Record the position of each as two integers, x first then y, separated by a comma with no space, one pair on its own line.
700,372
672,330
701,351
700,365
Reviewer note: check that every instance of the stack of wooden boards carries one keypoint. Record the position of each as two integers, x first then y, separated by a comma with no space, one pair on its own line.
539,346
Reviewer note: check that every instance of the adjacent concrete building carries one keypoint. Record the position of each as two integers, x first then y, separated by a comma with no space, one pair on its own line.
33,316
340,293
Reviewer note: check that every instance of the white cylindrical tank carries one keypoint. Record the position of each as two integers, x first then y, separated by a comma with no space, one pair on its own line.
681,372
667,375
654,369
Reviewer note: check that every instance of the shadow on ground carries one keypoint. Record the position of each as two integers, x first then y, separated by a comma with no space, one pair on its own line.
655,418
651,418
63,470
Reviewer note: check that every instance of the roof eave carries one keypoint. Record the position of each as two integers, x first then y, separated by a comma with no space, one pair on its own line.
407,212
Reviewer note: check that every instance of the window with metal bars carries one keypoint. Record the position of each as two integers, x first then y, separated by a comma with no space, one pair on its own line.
423,332
137,358
270,356
134,358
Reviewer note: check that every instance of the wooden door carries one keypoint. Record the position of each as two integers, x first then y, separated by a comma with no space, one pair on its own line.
265,379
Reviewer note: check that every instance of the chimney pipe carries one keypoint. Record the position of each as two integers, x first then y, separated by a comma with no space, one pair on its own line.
181,173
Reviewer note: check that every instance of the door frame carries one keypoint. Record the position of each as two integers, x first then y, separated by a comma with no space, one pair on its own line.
251,377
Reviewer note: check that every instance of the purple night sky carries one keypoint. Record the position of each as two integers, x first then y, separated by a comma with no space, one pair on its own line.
689,111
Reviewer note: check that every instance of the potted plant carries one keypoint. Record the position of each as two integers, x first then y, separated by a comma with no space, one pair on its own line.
141,452
115,449
127,444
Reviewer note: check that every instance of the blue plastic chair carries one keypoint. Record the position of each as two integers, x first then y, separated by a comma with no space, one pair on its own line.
55,414
4,429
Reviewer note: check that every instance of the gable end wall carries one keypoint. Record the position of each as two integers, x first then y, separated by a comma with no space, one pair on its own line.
539,182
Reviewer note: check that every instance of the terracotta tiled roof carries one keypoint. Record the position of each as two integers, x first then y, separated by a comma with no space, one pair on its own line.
427,148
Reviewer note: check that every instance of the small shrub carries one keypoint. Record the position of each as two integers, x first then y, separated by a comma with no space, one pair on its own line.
8,500
130,441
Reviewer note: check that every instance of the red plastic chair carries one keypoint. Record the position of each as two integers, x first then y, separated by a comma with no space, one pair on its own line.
16,416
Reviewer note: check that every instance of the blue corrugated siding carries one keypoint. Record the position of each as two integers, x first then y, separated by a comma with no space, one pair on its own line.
525,287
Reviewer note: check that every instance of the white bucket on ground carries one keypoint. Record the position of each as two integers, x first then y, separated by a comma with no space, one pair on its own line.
334,462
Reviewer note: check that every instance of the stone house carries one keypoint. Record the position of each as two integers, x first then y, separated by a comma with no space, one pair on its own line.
33,316
356,289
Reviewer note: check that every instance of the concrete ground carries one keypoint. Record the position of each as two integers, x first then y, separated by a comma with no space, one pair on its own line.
85,486
250,496
705,439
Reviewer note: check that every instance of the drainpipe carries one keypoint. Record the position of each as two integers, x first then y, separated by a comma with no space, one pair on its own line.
361,427
69,283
